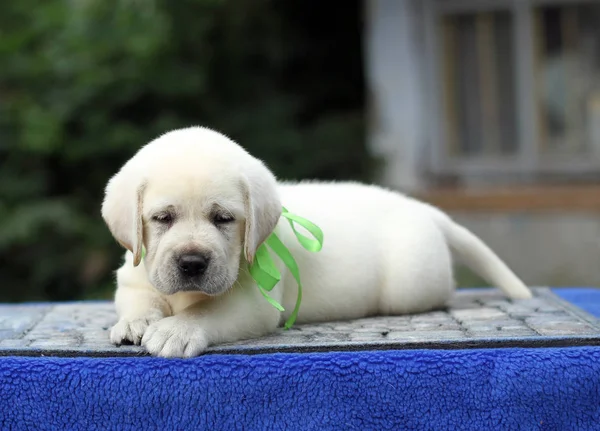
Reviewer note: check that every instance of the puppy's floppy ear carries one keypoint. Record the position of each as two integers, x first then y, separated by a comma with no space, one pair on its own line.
122,211
262,207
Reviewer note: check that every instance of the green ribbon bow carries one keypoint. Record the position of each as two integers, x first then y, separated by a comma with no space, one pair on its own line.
266,274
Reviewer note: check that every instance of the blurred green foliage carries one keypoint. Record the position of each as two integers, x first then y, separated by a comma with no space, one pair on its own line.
84,83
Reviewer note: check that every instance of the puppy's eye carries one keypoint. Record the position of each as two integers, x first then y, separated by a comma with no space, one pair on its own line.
163,218
222,218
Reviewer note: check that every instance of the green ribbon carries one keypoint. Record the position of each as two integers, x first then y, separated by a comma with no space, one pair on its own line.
266,274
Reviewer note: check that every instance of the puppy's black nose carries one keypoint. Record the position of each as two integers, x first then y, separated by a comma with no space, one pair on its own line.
192,265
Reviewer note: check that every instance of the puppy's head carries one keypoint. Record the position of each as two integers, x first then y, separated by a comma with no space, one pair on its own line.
198,203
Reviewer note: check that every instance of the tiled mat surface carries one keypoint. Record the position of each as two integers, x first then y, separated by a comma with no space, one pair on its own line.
474,319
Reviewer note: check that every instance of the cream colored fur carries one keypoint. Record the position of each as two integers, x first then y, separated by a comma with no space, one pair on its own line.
384,253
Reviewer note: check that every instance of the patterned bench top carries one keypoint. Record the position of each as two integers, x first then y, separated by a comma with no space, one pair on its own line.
475,318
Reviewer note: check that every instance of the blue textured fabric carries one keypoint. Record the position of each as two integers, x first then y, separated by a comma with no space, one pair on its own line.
586,298
478,389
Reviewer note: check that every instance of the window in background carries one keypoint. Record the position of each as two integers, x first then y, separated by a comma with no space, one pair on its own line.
516,89
567,73
478,67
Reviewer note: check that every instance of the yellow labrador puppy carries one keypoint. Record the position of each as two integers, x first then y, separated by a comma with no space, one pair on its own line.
198,205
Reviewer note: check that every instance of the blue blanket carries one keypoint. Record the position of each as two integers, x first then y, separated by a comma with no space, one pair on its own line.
478,389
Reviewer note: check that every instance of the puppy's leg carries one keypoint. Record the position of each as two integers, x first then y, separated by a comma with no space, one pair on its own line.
417,268
239,314
138,304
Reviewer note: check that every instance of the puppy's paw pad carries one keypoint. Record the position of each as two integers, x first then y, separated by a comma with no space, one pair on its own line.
131,331
174,337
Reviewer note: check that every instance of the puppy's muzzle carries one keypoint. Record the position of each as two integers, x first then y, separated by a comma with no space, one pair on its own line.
192,265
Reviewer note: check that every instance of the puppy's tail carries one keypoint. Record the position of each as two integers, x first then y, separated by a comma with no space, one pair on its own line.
480,258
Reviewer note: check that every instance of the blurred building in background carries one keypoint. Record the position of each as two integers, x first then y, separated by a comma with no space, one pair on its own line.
491,109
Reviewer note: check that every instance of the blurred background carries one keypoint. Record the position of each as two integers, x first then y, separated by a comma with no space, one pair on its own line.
489,109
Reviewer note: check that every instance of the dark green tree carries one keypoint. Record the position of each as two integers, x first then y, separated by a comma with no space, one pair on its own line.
83,84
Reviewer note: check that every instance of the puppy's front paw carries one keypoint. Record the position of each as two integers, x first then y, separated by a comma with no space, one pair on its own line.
131,330
175,337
